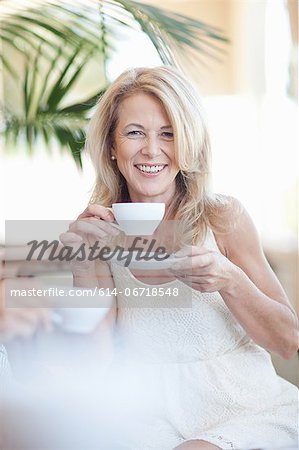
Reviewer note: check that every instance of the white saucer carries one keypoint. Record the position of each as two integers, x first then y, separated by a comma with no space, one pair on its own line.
145,264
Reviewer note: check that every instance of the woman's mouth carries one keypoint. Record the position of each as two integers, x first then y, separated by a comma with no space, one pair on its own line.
150,169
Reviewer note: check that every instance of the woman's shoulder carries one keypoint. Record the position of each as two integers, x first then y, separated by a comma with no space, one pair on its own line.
223,213
232,225
222,204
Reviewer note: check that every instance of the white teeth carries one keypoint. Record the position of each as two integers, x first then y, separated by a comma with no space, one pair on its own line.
149,169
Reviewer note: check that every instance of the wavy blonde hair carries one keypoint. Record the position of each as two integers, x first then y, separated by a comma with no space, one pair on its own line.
193,204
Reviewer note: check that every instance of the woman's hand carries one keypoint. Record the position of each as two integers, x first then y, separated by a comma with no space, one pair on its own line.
206,270
91,227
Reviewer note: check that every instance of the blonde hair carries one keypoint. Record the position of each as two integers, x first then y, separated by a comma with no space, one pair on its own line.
192,204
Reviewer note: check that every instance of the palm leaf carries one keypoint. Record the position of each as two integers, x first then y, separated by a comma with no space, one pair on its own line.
84,106
167,30
56,40
73,139
42,118
52,24
89,23
60,88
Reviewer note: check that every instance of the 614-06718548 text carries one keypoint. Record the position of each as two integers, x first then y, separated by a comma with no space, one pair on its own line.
141,291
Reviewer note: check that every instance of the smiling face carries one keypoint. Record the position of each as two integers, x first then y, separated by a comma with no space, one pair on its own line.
144,149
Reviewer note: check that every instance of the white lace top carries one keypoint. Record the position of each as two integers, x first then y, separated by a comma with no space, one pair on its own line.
190,371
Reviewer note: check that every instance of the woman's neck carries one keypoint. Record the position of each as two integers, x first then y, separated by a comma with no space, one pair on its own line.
166,199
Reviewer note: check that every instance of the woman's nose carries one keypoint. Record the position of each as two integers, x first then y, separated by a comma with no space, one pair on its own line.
152,146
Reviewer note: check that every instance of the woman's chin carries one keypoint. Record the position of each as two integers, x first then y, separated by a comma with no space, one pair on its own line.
151,194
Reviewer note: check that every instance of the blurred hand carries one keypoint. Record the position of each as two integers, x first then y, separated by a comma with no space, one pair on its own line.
20,322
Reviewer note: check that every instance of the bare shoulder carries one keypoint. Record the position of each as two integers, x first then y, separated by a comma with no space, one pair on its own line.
241,244
235,231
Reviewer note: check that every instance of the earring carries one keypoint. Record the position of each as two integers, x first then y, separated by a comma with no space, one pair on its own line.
113,158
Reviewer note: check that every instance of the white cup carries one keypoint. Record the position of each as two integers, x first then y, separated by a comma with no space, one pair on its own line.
138,218
78,320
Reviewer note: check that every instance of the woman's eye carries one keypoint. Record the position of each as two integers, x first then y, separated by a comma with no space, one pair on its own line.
167,135
134,133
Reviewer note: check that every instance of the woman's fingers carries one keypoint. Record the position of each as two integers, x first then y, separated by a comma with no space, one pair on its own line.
93,226
98,211
193,264
194,267
72,240
69,238
94,221
84,227
105,226
200,285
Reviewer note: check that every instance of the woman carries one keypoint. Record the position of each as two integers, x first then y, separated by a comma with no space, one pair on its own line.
213,383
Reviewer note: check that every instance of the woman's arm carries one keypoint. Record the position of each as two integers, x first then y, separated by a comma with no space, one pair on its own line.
247,284
254,294
91,227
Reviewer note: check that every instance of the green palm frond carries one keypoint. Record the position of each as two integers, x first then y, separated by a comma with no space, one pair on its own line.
50,25
168,30
72,23
43,116
55,39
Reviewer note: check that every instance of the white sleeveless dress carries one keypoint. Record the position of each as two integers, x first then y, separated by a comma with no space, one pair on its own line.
192,372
